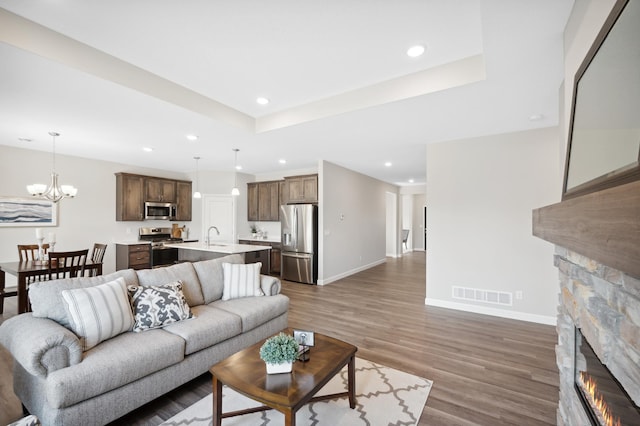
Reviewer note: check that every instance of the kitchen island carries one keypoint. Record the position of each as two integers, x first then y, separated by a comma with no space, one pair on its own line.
194,252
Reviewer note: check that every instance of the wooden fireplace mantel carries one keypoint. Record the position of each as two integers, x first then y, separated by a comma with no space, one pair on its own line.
604,226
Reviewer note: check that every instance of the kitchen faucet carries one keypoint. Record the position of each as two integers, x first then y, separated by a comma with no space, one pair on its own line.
209,234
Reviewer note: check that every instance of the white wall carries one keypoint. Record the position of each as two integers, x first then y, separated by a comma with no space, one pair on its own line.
416,236
391,245
480,195
352,221
90,217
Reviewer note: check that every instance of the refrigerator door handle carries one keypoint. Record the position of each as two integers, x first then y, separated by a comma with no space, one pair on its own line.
297,255
295,227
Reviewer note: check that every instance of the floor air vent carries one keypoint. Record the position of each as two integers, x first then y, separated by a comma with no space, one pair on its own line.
480,295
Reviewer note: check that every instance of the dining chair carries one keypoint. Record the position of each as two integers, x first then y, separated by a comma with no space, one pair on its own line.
97,255
405,238
98,252
67,264
28,252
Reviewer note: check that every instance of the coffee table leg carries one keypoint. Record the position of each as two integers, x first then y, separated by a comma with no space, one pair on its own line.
351,372
289,418
217,402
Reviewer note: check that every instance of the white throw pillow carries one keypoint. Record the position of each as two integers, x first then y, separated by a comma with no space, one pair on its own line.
99,313
241,280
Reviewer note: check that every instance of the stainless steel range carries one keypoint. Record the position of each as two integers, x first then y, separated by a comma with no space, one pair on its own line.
160,255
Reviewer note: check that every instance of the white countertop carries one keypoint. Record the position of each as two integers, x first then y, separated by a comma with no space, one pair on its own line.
226,248
132,242
270,239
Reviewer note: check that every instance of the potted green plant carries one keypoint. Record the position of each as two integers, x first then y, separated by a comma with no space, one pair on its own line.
254,230
278,352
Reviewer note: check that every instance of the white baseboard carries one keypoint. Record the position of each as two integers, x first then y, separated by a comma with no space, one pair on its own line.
503,313
350,272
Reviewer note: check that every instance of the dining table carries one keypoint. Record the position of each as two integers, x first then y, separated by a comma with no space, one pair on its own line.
25,269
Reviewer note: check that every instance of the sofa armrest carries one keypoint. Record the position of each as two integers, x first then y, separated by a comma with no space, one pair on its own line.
40,345
270,285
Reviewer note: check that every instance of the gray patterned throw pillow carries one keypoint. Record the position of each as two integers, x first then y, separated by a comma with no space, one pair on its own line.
158,306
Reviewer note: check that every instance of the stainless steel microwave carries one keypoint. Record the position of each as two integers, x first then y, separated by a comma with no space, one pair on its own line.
159,211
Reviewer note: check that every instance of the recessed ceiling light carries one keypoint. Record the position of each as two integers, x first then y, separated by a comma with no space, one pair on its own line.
536,117
411,181
387,164
415,51
238,167
147,149
282,161
25,139
262,101
192,137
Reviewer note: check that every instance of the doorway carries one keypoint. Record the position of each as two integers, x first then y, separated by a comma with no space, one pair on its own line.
219,211
424,227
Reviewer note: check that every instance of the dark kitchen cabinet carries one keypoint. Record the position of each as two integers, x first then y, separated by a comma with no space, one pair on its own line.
133,190
302,189
184,200
129,197
133,256
274,257
263,201
252,202
160,190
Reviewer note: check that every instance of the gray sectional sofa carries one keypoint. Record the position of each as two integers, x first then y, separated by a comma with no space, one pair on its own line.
64,385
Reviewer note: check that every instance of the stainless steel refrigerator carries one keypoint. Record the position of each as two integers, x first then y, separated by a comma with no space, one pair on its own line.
299,227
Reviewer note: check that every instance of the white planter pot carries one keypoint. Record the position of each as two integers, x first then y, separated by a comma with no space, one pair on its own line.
285,367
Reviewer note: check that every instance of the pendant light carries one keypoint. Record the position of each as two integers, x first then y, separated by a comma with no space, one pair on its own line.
197,194
54,192
235,190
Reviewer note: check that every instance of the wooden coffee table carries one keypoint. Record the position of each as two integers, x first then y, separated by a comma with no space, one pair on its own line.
246,373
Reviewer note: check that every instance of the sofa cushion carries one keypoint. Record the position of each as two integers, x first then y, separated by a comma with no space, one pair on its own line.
254,311
46,296
100,312
181,271
158,306
112,364
210,326
241,280
211,276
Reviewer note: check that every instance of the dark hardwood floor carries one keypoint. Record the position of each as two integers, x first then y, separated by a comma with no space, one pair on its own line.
486,370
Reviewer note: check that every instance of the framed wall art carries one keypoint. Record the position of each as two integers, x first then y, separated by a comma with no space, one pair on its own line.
17,211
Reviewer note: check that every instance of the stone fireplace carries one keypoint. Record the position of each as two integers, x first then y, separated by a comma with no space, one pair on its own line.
604,304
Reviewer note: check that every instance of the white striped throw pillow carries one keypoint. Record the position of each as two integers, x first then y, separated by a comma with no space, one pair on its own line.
99,313
241,280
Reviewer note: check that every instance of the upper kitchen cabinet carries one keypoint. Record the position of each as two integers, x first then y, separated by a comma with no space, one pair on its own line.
183,190
252,201
301,189
263,201
132,191
161,190
129,197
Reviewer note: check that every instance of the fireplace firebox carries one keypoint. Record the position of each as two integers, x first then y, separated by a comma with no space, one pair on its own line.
604,399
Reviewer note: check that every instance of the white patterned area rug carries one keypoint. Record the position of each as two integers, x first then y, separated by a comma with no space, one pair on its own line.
384,396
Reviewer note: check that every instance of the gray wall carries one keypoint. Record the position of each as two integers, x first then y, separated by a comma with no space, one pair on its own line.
352,217
480,194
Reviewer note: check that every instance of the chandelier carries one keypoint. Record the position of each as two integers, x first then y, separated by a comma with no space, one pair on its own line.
54,192
235,190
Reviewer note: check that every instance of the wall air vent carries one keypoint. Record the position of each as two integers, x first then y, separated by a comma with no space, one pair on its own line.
483,295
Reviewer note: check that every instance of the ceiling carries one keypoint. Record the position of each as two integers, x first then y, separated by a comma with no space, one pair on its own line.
115,77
